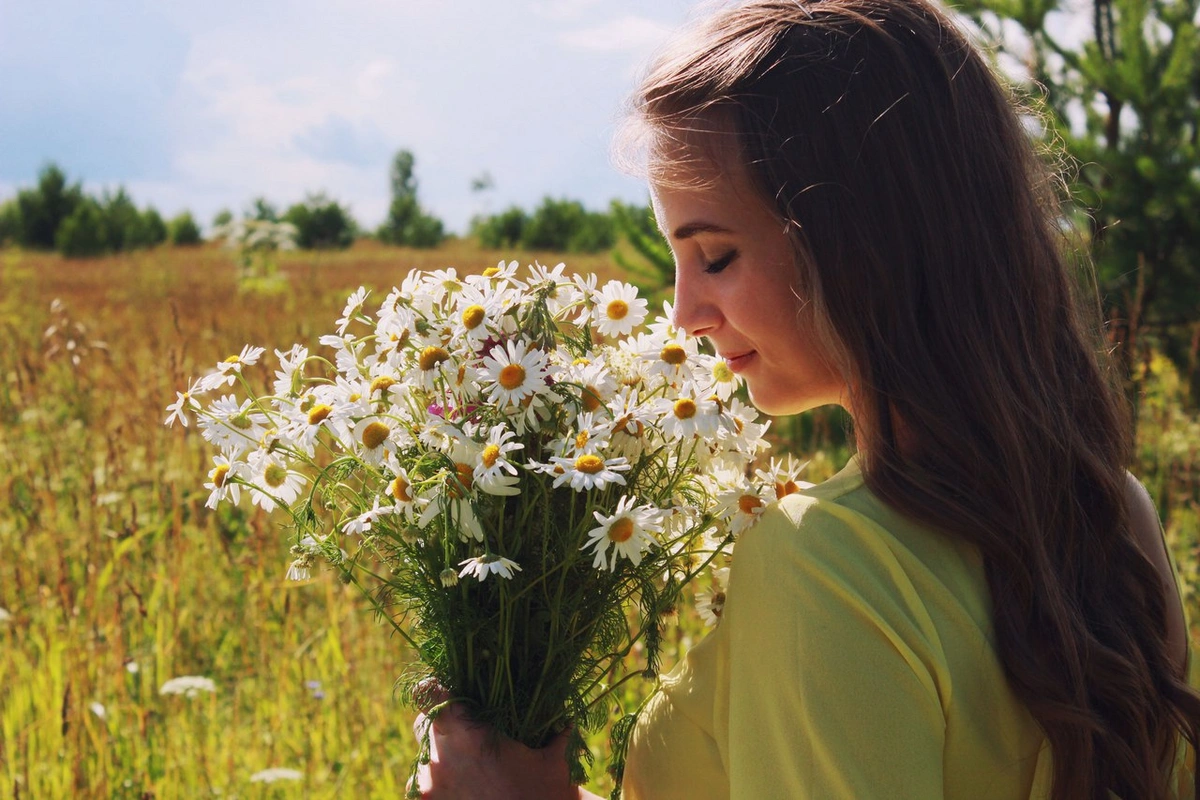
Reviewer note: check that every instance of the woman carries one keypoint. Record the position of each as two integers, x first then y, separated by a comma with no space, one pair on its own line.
981,604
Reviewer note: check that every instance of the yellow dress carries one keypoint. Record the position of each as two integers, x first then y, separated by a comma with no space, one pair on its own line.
854,659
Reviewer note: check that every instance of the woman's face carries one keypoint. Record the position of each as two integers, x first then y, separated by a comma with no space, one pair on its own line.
735,279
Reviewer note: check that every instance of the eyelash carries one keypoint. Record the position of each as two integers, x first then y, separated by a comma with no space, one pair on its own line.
721,263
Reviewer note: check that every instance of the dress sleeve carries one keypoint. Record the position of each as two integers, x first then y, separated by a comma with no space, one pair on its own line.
835,690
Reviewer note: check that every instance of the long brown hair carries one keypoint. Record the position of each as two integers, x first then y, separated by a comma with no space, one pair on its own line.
929,240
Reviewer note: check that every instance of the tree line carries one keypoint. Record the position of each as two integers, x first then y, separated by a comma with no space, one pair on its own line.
56,214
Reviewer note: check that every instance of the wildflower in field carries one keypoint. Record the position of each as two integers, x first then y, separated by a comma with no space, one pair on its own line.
672,359
479,314
4,615
274,774
374,437
514,373
618,309
132,666
630,531
711,602
98,709
488,564
724,380
188,686
448,577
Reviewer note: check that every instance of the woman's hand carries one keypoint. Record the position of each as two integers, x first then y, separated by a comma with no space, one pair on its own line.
469,760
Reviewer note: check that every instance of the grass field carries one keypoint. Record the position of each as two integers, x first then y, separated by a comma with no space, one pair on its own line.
115,578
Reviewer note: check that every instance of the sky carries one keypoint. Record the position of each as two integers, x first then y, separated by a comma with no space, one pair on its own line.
205,106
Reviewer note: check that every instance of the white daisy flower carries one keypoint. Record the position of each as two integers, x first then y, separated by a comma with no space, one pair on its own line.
688,415
184,401
478,314
291,371
630,532
724,381
354,306
363,522
188,686
231,426
492,467
488,564
233,365
591,435
711,602
618,309
588,471
374,437
673,360
272,482
740,505
221,483
514,373
782,474
400,489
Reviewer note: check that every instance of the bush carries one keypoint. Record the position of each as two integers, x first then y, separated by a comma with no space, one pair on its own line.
43,209
222,218
182,231
505,229
321,223
85,232
565,225
153,230
123,224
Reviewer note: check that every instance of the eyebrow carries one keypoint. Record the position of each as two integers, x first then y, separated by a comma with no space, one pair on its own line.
692,228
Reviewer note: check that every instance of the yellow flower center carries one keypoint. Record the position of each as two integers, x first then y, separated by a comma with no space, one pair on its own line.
617,309
432,356
782,490
219,474
375,434
490,271
463,480
621,530
591,398
401,339
512,376
473,316
355,397
240,421
673,354
489,455
581,362
382,384
233,360
319,414
398,489
685,408
274,475
581,440
748,502
722,372
590,464
450,286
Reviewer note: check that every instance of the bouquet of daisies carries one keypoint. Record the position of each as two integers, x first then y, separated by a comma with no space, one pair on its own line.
521,472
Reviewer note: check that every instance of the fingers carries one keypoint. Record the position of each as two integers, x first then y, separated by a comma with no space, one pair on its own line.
429,693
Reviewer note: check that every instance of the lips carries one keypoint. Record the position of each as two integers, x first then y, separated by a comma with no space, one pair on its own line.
739,362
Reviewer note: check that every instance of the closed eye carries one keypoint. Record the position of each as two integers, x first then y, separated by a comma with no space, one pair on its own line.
721,263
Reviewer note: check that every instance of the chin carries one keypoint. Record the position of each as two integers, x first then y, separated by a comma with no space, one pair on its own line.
773,405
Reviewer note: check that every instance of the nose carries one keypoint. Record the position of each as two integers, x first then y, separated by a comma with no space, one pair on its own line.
693,310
